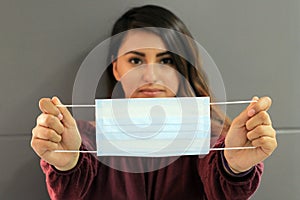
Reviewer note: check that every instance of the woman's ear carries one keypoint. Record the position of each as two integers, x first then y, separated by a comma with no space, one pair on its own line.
115,70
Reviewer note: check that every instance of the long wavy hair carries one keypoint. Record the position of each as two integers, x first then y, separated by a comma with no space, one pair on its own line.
156,16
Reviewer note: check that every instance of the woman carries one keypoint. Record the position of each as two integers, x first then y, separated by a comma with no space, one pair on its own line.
219,175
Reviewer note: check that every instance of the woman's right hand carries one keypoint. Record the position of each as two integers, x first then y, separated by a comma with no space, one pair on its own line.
56,129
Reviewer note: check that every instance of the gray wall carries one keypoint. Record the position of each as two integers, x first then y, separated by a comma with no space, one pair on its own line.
256,45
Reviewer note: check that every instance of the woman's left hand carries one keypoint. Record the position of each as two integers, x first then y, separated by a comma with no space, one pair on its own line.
253,127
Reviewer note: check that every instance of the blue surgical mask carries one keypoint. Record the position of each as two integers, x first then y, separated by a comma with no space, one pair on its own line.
153,127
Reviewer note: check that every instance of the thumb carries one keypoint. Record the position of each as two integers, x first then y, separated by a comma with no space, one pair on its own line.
244,116
67,118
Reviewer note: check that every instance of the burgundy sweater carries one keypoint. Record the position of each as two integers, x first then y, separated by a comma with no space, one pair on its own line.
189,177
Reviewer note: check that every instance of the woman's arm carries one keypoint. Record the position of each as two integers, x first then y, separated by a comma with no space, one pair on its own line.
74,183
219,183
68,174
235,174
77,182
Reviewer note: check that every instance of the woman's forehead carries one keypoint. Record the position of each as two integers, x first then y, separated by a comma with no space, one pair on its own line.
136,40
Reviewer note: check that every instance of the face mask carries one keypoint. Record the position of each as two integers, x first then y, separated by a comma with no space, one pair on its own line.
153,127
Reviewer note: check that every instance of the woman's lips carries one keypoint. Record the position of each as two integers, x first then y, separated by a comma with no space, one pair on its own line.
151,91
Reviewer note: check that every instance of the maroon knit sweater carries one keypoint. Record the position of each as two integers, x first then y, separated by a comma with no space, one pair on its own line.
189,177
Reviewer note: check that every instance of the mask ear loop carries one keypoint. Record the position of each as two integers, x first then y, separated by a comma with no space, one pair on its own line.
211,149
214,103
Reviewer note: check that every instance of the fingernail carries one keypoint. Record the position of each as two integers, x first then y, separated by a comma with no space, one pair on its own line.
58,100
60,116
251,112
255,98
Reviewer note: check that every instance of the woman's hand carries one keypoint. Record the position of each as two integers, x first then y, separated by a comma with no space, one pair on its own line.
56,129
253,127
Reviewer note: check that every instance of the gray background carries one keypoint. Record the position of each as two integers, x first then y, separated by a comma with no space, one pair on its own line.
256,45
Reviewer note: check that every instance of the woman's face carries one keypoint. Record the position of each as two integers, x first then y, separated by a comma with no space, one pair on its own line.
144,67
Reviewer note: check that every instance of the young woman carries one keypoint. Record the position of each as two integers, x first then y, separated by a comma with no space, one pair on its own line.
229,174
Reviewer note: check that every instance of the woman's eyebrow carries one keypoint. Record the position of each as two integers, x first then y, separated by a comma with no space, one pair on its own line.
163,53
143,54
136,52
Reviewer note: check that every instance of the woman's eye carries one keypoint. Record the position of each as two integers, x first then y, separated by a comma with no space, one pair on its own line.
167,61
135,61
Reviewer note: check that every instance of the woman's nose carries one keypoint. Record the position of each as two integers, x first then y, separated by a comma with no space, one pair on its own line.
149,73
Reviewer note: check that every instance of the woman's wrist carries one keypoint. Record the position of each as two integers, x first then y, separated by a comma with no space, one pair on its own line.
230,170
71,164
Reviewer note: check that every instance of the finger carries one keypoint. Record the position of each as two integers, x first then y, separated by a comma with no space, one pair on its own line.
254,100
263,104
261,131
40,132
50,121
267,144
41,146
243,117
67,117
48,107
261,118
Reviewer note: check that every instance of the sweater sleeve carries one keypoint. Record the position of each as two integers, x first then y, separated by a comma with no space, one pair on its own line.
75,183
219,184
